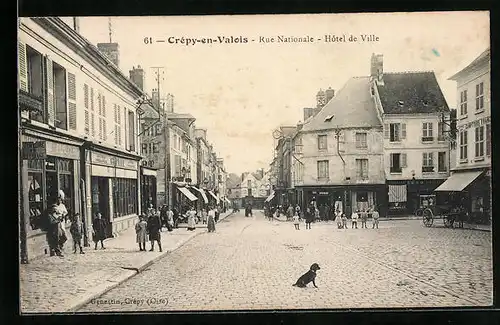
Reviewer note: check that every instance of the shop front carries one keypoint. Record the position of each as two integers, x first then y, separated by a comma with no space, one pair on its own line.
420,193
397,191
113,188
183,198
55,168
148,188
201,195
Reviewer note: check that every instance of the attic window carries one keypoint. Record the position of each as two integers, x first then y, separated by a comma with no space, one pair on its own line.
401,103
425,103
328,118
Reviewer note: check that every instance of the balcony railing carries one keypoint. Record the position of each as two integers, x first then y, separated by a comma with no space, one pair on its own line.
30,102
427,139
427,169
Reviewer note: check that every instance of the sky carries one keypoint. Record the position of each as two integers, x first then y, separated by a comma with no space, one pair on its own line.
241,92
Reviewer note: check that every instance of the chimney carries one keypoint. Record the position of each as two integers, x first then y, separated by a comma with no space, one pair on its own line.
155,96
170,103
308,112
330,93
137,77
320,99
377,68
111,51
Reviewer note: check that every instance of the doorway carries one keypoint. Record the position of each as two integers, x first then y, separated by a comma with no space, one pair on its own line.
100,201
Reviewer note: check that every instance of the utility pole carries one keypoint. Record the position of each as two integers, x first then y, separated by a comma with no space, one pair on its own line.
166,134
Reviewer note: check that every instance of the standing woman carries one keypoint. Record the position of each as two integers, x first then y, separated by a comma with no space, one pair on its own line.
211,220
191,214
170,220
99,227
55,214
141,231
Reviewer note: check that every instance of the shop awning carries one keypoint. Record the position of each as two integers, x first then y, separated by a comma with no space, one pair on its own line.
458,182
397,193
214,196
202,192
187,193
270,197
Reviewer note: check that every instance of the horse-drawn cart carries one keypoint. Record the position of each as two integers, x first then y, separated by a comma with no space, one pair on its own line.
449,215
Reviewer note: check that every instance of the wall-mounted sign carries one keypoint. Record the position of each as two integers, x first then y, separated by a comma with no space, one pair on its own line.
476,123
112,161
34,150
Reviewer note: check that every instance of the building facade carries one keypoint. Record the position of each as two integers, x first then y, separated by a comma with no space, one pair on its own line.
79,110
470,181
416,136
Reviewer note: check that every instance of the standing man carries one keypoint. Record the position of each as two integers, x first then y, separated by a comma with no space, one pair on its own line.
375,217
154,228
364,217
354,219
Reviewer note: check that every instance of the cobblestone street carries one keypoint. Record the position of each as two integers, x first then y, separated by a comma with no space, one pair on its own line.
251,263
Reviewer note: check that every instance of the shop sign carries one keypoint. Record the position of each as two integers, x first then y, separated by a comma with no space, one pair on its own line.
34,150
63,150
323,193
476,123
112,161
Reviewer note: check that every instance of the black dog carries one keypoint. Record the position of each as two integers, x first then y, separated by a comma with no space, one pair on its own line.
309,276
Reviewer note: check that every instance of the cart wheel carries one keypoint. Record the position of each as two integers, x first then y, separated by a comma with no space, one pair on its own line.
448,221
427,218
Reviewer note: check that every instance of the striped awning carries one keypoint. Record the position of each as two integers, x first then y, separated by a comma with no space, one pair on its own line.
270,197
214,196
188,194
202,192
397,193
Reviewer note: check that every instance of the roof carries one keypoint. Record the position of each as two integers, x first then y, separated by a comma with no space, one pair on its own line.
351,107
411,92
482,58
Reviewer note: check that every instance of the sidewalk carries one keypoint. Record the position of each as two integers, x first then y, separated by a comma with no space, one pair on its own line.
53,284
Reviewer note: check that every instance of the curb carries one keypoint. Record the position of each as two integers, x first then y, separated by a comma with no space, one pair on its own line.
128,274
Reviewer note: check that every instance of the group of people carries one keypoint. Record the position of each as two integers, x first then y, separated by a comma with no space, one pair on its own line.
356,215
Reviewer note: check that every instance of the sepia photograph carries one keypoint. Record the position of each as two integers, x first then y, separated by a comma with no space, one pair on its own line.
254,162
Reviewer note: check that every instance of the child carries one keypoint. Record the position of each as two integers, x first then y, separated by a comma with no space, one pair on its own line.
296,220
364,217
141,231
354,219
375,216
344,221
76,231
338,219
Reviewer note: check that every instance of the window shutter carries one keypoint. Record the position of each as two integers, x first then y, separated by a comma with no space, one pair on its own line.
403,130
100,128
387,130
23,67
87,122
424,159
115,113
104,130
403,160
92,124
99,106
86,96
391,156
91,98
103,105
72,101
431,158
51,114
488,139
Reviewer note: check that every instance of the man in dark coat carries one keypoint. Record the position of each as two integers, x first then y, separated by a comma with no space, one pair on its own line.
99,228
154,228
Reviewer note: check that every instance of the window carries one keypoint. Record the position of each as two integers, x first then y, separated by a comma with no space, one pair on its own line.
362,169
480,96
361,140
156,148
86,109
427,132
398,162
463,144
144,149
488,139
479,132
35,75
441,162
322,145
441,129
158,129
427,162
463,102
124,197
323,172
131,130
395,132
60,105
298,145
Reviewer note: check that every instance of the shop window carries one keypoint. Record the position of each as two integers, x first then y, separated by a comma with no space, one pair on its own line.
35,195
362,197
124,196
60,104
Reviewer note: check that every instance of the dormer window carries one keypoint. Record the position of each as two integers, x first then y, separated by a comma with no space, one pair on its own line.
401,103
328,118
425,103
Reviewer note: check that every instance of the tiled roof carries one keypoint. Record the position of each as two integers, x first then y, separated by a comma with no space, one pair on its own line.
482,57
351,107
411,92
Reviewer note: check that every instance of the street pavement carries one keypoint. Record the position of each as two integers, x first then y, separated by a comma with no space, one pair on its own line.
251,263
53,284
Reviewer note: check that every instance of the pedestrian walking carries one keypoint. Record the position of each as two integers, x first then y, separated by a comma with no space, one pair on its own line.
309,217
154,229
76,231
99,230
141,229
375,217
354,219
216,211
364,217
211,220
170,220
344,221
296,220
191,215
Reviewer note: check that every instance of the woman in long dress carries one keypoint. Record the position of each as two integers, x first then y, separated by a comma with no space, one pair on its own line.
141,232
211,220
191,215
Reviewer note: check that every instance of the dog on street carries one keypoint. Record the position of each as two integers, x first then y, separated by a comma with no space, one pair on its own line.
309,276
